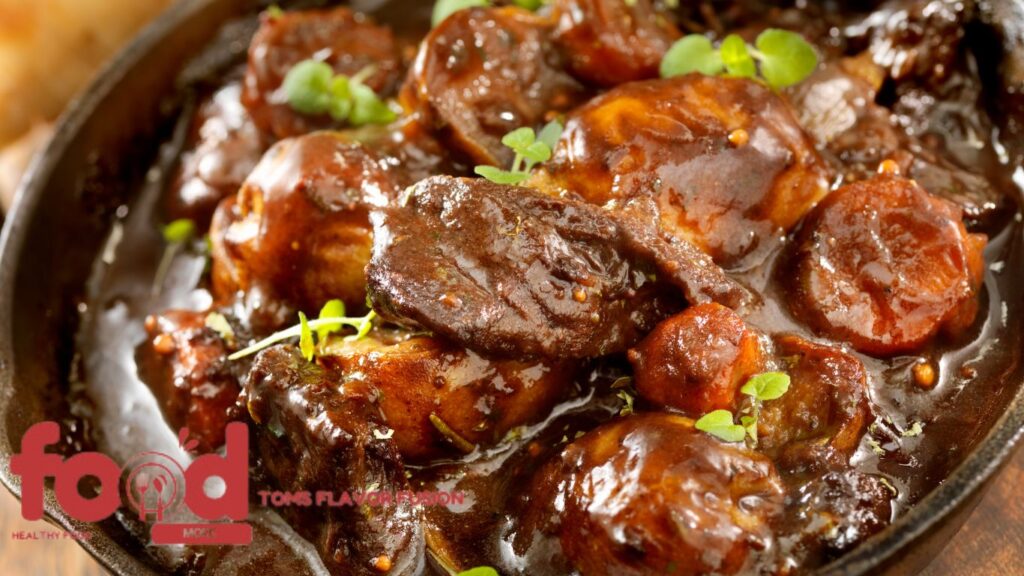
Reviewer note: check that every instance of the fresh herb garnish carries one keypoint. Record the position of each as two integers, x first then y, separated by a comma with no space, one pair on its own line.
218,323
785,58
333,309
479,571
761,388
451,435
627,399
306,329
531,149
176,234
720,425
767,386
445,8
311,87
307,345
179,231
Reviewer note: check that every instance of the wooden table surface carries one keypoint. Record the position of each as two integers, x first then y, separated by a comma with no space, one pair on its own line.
990,544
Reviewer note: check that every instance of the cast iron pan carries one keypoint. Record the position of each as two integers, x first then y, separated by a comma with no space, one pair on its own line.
100,151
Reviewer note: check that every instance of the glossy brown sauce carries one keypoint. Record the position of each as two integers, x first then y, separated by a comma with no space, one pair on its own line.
953,415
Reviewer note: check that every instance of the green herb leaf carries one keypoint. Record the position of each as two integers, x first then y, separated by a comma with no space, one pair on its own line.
720,425
296,332
749,423
445,8
479,571
551,133
333,309
274,11
767,386
530,4
311,87
535,154
519,139
499,176
340,106
736,57
692,53
628,400
219,324
307,87
364,328
306,344
367,108
179,231
786,58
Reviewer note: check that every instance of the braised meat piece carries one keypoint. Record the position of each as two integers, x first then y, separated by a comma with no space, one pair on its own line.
508,271
298,230
184,362
696,361
317,431
224,146
484,72
721,162
428,385
836,106
346,40
884,265
821,419
649,494
834,512
610,42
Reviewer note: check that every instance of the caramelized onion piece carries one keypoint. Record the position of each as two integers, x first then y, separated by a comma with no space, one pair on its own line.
885,265
669,151
298,231
649,494
223,148
425,381
610,42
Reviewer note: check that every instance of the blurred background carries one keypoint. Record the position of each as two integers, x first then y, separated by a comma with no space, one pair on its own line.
49,52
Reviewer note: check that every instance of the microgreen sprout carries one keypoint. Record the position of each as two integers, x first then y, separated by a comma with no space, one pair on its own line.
176,235
445,8
311,87
479,571
760,388
783,58
312,333
531,149
218,323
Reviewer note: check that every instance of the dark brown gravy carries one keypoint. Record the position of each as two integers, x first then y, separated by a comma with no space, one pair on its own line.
972,389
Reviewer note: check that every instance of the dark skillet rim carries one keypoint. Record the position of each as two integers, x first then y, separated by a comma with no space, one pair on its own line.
109,553
976,470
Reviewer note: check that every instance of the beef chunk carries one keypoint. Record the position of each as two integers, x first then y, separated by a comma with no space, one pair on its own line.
484,72
508,271
316,431
346,40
